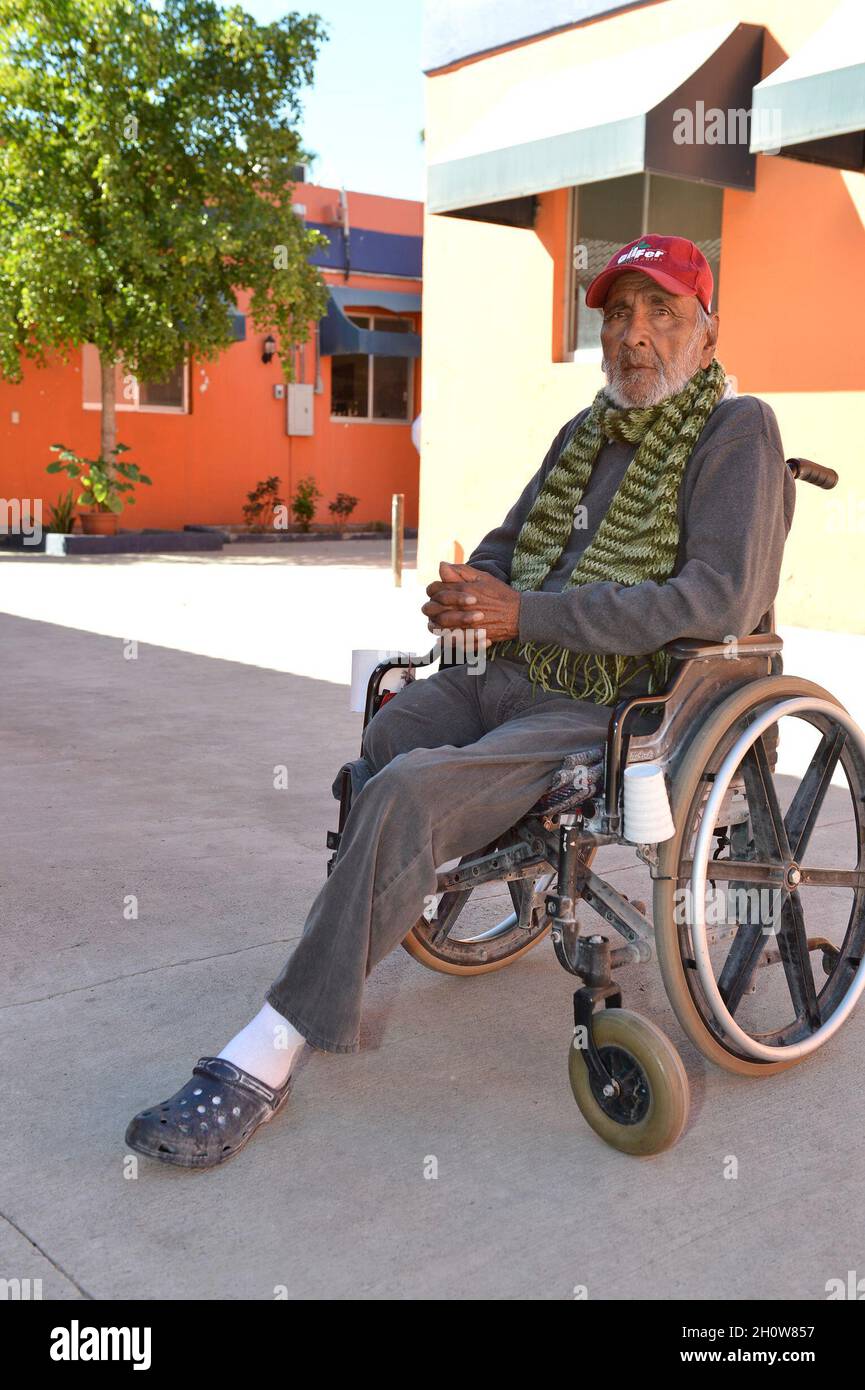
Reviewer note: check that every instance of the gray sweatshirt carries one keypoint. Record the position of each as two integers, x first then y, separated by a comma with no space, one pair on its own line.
736,506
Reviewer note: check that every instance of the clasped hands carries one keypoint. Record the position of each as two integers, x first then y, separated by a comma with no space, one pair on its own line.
467,599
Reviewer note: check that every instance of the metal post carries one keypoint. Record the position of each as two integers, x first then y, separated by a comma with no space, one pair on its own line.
397,521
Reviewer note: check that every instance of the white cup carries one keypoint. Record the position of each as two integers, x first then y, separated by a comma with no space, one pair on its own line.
363,662
648,819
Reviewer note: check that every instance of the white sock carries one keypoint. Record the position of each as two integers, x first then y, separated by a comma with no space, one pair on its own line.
267,1047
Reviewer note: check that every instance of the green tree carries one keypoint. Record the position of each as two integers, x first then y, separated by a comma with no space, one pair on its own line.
147,165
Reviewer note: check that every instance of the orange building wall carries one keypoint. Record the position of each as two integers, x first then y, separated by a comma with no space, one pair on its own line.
203,464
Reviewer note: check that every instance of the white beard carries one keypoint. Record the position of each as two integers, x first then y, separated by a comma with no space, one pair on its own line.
634,389
660,388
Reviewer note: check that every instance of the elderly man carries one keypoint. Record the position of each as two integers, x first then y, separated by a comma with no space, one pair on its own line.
659,512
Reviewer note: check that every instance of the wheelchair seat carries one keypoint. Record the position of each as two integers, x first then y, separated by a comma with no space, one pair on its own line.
579,778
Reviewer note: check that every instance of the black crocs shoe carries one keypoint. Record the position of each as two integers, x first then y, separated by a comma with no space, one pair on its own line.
210,1119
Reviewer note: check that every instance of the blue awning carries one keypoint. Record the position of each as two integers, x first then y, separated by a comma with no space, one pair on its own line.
398,301
339,336
378,253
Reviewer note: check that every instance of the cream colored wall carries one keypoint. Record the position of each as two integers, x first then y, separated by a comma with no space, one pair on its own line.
456,98
493,400
494,396
824,559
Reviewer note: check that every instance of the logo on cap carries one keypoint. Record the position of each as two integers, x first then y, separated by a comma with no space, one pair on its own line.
643,251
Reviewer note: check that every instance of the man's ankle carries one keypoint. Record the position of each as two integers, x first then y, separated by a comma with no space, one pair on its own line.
268,1047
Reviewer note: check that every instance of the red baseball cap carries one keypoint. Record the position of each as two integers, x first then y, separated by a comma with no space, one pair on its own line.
674,262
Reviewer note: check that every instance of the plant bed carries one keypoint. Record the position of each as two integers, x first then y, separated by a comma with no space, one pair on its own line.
133,543
14,540
234,534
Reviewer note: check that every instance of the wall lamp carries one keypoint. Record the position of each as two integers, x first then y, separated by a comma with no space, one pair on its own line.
269,348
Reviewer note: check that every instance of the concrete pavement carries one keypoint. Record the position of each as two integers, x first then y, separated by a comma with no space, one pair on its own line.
153,882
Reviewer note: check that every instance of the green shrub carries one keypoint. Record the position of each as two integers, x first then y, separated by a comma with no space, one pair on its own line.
61,514
342,508
262,502
303,502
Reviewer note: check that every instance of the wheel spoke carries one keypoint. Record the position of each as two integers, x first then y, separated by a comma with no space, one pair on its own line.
447,913
832,878
793,950
744,954
522,891
767,823
741,963
747,871
751,871
805,807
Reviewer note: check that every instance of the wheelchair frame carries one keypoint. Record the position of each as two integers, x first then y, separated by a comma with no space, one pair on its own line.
643,728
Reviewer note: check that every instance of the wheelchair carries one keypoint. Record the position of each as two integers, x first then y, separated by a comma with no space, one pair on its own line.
754,988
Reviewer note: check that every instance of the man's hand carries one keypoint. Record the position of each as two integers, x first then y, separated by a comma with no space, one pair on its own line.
466,598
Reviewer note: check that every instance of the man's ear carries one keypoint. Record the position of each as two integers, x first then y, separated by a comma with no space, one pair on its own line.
711,341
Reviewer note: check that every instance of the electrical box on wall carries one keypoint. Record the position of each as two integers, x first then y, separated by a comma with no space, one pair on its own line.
298,408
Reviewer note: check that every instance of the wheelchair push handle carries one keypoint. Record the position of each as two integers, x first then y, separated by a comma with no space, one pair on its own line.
806,471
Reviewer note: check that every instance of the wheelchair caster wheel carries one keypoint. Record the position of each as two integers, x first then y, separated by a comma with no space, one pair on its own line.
648,1107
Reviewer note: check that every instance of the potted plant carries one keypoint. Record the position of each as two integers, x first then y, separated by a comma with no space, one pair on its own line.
303,502
102,490
341,510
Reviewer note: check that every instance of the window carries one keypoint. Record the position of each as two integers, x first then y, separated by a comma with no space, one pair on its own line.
613,212
168,397
371,387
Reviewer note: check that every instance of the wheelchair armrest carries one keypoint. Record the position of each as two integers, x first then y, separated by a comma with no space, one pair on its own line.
625,712
756,644
402,659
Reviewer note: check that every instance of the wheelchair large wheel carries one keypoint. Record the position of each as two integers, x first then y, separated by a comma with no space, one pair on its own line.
477,930
762,961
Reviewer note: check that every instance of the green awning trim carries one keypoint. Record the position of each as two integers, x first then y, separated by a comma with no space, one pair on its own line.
818,95
604,120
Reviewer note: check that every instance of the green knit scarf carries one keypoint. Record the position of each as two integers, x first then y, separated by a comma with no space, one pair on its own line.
637,539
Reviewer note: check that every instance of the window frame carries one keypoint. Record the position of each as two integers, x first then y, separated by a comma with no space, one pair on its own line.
375,319
135,407
570,326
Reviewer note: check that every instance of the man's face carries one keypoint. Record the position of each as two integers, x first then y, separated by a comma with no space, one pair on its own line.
653,341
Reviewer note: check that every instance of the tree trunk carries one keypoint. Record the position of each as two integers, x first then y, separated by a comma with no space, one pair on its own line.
108,435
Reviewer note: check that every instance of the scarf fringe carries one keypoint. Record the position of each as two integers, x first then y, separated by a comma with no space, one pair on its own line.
592,676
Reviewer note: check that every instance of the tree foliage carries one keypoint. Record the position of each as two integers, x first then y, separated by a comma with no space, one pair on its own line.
146,162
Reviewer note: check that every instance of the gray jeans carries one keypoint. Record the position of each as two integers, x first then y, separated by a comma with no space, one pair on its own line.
451,762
